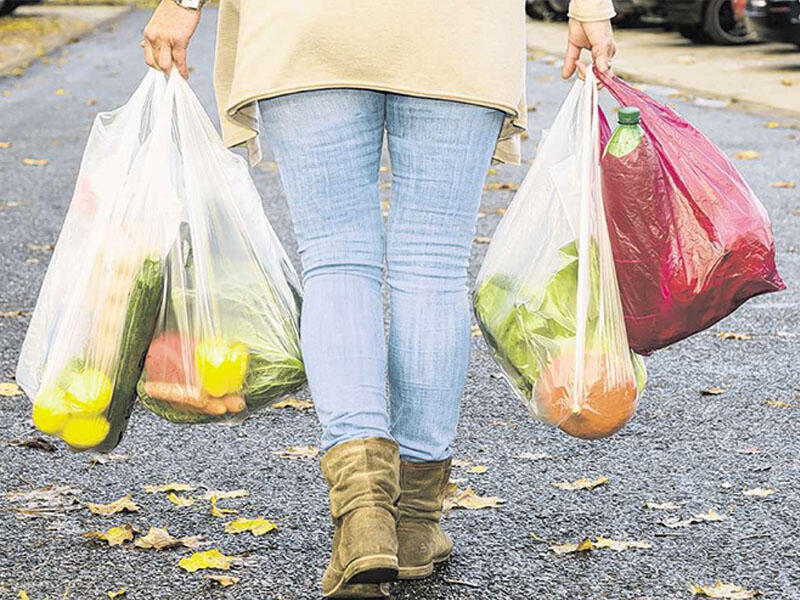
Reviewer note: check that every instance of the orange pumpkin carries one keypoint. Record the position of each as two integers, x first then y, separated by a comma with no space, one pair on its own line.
603,408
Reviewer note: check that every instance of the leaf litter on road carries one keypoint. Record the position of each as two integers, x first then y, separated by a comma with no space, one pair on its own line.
223,494
584,483
298,452
730,335
49,501
220,512
208,559
223,580
712,391
600,543
758,492
293,403
728,591
469,499
36,443
169,487
9,389
677,522
158,538
256,526
124,504
662,505
180,500
114,536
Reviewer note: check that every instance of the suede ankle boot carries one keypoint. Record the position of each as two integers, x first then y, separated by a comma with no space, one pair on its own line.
422,541
362,475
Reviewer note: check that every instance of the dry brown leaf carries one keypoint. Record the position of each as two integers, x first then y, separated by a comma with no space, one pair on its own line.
662,505
712,391
37,443
787,185
475,331
458,464
600,543
61,92
210,559
114,536
223,580
9,389
478,469
45,502
90,102
534,456
124,504
501,186
747,155
35,162
169,487
470,500
772,124
257,526
5,145
570,547
584,483
739,337
777,403
293,403
758,492
220,512
728,591
10,314
116,594
298,452
223,495
41,247
787,82
677,522
159,538
180,500
483,239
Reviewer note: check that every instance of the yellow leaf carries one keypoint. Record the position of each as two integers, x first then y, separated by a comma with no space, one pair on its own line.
180,500
469,500
759,492
712,391
475,331
221,494
723,590
6,93
777,403
787,185
458,464
114,536
787,82
41,247
619,545
747,155
307,452
169,487
17,71
219,512
5,145
739,337
35,162
60,92
500,211
478,469
210,559
533,456
159,538
584,483
491,172
257,526
497,186
223,580
90,102
123,504
9,389
772,124
117,594
662,505
483,239
23,595
293,403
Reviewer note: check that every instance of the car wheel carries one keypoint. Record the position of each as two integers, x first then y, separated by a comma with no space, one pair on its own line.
693,32
538,9
7,7
723,27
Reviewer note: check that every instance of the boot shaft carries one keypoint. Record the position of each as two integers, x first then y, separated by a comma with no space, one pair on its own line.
422,488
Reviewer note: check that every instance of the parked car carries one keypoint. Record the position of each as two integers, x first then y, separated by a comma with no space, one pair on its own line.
708,20
7,6
774,20
628,11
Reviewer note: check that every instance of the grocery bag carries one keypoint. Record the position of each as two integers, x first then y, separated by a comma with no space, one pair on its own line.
97,308
546,297
691,240
226,338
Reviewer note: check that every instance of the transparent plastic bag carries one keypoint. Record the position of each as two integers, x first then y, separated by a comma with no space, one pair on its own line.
227,335
97,308
546,297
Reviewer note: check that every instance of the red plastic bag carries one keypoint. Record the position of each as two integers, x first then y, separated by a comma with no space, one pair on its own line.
691,241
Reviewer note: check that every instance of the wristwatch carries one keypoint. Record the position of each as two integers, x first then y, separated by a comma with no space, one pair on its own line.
191,4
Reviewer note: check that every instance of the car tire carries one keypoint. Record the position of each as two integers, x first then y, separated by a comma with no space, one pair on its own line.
694,33
6,8
722,26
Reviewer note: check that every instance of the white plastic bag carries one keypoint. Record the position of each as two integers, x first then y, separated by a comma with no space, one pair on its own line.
546,297
148,166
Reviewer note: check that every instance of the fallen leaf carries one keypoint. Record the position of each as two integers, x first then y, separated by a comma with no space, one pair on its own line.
676,522
41,247
570,547
584,483
37,443
221,494
739,337
9,389
223,580
257,526
491,172
475,331
35,162
747,155
293,452
47,501
726,485
10,314
219,512
619,545
728,591
116,594
787,185
114,536
498,186
777,403
470,500
478,469
210,559
32,261
662,505
180,500
169,487
293,403
534,456
159,538
459,464
23,595
772,124
787,82
61,92
102,459
483,240
4,145
749,450
17,71
90,102
758,492
124,504
500,211
712,391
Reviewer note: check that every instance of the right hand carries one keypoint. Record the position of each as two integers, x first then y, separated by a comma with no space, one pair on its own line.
596,36
167,35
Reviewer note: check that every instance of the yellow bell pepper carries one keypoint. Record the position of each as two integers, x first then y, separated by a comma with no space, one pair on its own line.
222,366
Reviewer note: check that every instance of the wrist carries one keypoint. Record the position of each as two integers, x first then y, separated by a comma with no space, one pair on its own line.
190,4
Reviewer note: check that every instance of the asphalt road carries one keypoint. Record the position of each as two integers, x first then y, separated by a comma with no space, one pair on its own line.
680,447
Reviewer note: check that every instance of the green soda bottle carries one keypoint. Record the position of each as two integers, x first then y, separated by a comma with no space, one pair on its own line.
628,135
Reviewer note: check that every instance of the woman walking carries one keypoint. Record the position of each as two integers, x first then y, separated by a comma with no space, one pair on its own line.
324,81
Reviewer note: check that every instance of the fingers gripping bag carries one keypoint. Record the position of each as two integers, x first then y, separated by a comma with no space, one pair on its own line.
97,308
546,297
691,240
226,339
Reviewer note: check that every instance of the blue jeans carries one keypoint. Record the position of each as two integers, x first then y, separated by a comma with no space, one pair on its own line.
328,147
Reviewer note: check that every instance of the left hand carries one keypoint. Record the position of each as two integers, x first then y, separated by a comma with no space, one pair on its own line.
596,36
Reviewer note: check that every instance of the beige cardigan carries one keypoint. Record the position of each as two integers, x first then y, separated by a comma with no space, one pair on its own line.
464,50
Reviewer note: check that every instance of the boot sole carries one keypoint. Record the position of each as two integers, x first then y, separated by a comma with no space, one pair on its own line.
379,568
423,571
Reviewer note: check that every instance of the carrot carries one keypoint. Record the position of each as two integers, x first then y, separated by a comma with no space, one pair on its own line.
215,406
175,393
234,403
